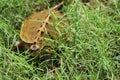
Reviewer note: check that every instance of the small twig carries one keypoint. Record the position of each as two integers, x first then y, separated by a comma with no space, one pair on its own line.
41,29
57,6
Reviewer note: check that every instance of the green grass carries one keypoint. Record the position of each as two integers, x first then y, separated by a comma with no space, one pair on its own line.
92,52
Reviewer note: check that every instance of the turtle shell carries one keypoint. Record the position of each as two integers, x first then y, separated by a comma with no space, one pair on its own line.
31,25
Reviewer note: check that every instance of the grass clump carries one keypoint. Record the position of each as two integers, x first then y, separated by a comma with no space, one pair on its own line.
91,53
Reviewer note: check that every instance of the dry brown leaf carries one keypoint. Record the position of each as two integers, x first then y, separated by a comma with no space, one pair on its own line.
38,25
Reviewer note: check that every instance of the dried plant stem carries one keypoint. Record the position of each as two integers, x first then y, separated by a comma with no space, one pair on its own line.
42,29
57,6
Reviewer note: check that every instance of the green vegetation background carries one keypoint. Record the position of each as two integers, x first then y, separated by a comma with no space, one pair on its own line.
92,53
